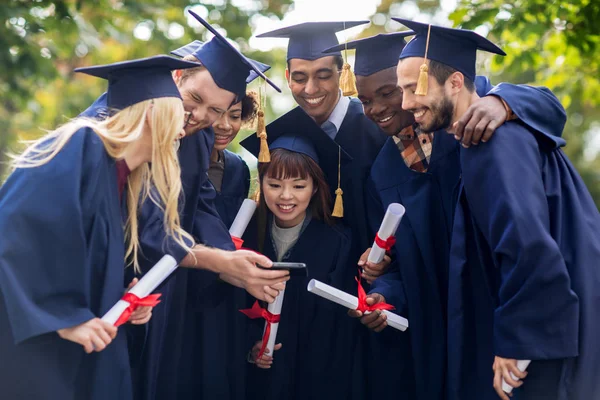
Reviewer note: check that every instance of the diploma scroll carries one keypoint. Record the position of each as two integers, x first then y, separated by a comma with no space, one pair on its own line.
275,309
146,285
388,228
347,300
242,219
522,365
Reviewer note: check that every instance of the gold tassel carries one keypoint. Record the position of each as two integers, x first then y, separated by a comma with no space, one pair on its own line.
264,155
256,195
348,81
423,81
338,206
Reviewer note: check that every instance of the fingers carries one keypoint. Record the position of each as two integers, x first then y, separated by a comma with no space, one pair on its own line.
459,126
132,283
355,313
279,286
364,257
509,379
512,367
498,384
257,258
479,130
270,291
374,298
489,130
375,321
109,328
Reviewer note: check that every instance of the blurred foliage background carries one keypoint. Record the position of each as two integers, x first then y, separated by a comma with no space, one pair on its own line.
550,43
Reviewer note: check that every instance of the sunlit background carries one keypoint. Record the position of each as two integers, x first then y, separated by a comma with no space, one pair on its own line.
548,43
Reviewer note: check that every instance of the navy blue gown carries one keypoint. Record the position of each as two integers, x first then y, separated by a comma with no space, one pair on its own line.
318,338
216,337
417,283
234,187
524,277
157,353
61,264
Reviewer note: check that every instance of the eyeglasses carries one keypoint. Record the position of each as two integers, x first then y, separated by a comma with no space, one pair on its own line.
187,116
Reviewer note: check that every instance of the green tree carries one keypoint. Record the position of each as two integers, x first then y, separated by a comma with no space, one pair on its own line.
554,44
42,41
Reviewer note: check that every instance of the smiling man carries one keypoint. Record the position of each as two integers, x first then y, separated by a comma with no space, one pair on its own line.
421,171
523,275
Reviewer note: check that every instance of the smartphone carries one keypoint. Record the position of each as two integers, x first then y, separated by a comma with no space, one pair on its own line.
296,269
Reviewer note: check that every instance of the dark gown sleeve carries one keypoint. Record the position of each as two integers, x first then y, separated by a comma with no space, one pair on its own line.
536,316
154,242
44,265
209,229
537,107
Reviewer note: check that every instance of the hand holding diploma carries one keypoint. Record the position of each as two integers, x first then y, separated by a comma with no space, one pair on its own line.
376,321
371,271
508,374
360,304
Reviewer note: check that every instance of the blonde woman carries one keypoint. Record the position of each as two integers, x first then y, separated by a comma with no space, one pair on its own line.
65,241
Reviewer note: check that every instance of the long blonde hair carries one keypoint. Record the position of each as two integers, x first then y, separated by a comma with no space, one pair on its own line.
162,178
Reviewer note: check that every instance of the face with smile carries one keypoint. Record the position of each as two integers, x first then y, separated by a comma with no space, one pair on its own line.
382,101
227,126
433,111
203,101
315,85
287,198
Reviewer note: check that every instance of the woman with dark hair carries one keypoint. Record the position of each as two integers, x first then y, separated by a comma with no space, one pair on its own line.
228,172
315,339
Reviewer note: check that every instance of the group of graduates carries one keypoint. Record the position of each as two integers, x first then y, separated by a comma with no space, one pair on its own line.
495,260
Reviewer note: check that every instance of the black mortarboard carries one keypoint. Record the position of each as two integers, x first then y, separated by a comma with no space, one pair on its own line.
375,53
456,48
227,65
309,39
133,81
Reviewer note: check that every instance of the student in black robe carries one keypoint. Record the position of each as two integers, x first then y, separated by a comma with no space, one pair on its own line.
62,256
294,223
523,275
421,174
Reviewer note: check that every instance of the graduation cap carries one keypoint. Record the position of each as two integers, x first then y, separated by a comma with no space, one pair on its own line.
296,131
191,48
375,53
131,82
309,39
456,48
227,65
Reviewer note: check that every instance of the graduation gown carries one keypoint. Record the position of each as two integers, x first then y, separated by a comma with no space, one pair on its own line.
158,352
524,275
234,187
61,264
417,283
215,332
318,337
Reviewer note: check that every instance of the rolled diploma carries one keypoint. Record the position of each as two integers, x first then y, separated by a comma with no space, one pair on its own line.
146,285
522,365
351,302
388,228
275,309
242,219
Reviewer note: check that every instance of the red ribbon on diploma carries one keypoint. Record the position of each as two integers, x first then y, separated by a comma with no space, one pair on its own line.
135,302
385,244
258,312
237,242
362,301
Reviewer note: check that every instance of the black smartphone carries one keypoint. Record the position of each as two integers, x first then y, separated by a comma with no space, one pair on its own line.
296,269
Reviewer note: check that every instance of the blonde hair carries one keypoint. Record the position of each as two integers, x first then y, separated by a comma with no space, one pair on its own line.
162,178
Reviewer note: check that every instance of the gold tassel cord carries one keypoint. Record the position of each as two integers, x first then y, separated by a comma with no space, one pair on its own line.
347,78
264,155
348,81
423,81
338,207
